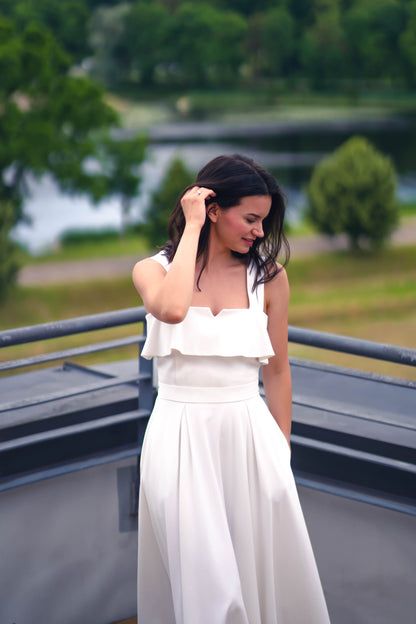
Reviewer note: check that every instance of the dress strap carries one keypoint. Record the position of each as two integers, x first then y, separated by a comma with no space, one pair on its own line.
256,297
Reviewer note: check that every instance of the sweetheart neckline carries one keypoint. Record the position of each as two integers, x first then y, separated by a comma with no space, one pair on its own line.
218,313
223,310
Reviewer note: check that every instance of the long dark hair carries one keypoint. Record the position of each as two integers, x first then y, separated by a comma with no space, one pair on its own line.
234,177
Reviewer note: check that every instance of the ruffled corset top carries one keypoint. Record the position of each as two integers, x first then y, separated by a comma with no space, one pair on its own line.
233,332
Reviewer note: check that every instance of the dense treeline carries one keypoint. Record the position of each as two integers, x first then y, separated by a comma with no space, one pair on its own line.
227,42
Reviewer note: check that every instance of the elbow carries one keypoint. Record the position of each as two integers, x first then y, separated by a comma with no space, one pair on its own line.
172,315
174,318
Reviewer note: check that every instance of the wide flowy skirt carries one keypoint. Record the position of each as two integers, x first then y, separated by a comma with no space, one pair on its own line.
222,538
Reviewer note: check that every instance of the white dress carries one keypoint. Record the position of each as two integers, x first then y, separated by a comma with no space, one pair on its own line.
222,539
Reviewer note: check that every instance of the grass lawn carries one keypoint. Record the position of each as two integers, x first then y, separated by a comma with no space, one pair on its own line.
370,297
107,247
366,296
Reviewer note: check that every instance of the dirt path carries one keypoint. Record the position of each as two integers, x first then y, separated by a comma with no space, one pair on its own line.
108,268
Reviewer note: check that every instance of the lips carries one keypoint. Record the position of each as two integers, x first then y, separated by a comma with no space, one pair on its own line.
248,241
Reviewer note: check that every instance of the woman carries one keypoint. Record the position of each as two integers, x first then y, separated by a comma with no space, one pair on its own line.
222,538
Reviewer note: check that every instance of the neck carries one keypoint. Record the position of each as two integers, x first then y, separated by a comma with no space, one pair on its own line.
217,254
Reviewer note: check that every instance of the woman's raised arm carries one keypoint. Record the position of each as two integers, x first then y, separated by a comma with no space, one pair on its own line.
168,294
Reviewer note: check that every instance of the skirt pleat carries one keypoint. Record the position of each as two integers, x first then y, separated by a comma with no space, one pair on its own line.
222,539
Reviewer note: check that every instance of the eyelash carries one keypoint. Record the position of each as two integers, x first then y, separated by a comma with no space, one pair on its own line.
250,221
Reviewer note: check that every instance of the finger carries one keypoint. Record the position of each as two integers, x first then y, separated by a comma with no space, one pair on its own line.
204,191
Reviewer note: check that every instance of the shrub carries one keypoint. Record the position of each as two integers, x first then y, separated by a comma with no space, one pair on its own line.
9,265
353,192
177,178
73,238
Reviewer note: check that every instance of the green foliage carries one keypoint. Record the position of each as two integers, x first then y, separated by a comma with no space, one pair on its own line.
143,45
323,47
205,45
163,201
353,192
271,41
47,116
198,43
407,43
373,29
119,163
320,43
74,238
66,19
8,250
106,33
52,121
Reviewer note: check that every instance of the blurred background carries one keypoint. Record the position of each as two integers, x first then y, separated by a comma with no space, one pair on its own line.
108,109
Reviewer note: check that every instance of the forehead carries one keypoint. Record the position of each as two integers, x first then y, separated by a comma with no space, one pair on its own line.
255,204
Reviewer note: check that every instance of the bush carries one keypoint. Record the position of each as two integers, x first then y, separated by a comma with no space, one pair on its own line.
73,238
177,178
353,192
9,265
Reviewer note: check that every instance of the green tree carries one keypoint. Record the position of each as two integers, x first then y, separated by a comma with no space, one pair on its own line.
177,178
271,42
206,44
8,249
66,19
353,192
106,34
407,43
119,167
143,45
373,29
47,117
323,47
57,123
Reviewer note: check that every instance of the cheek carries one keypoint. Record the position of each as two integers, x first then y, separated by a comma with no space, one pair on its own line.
236,224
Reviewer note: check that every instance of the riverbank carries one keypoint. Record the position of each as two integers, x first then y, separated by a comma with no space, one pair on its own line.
110,267
143,110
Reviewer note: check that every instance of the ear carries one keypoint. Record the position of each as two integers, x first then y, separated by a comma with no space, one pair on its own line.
213,212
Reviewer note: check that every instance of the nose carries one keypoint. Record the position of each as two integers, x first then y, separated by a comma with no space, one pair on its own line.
258,230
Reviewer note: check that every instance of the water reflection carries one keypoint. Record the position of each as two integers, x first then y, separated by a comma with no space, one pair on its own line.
289,152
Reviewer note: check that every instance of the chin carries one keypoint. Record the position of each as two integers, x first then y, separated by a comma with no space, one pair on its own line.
239,254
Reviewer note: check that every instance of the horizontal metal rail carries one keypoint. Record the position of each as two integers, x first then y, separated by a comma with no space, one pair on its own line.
63,432
68,327
74,352
68,468
77,391
354,346
307,337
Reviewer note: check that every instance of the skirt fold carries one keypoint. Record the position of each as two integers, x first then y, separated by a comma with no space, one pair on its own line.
221,528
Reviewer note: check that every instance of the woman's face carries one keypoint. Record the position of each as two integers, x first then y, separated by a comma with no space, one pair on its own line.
239,226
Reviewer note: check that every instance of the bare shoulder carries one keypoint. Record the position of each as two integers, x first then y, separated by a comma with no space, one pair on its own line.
146,272
276,291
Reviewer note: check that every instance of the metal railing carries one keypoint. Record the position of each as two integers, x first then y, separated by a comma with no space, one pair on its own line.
105,320
117,318
353,346
142,380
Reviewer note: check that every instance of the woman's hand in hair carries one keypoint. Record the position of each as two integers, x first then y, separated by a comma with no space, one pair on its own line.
193,205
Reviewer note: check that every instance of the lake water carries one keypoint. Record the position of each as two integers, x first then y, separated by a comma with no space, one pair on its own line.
290,151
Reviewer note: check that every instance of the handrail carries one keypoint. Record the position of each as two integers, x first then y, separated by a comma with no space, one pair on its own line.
68,327
49,442
104,320
354,346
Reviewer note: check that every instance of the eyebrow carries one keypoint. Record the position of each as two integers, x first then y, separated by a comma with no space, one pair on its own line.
253,214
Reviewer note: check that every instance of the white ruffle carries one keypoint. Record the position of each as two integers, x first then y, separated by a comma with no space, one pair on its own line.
232,332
